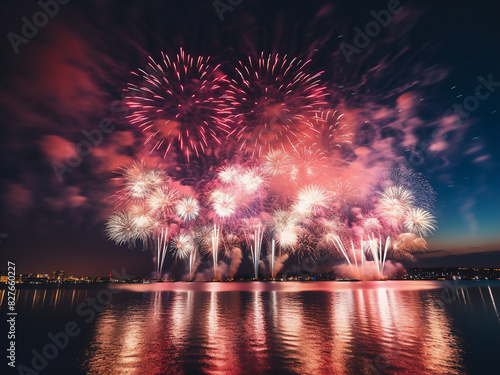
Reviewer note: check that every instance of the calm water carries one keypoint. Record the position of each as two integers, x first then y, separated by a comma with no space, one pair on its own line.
395,327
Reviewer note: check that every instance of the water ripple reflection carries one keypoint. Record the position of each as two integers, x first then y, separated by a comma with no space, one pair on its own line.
402,327
328,330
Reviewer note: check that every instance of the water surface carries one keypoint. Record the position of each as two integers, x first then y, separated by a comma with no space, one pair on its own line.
394,327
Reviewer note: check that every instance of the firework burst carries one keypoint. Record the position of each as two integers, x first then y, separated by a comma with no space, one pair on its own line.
310,200
407,243
182,245
394,204
277,162
284,226
187,208
229,174
423,194
139,180
180,103
121,229
282,184
251,180
307,163
142,220
162,201
372,225
420,222
275,100
224,204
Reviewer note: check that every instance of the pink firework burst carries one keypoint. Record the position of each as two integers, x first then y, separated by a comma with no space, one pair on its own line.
180,104
275,100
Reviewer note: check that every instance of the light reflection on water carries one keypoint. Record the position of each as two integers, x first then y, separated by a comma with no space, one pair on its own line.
277,328
341,330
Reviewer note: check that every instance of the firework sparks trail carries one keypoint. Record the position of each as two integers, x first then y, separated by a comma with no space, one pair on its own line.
254,234
258,235
192,262
215,248
273,250
341,247
162,246
372,245
354,257
386,248
184,247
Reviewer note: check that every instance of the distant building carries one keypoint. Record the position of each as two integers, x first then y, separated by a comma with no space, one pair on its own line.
459,273
59,275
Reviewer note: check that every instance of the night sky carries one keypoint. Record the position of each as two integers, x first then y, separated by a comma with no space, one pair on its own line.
409,79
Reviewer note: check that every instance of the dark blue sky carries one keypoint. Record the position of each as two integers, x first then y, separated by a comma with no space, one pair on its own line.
70,75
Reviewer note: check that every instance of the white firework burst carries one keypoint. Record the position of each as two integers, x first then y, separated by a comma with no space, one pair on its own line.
372,225
163,200
224,204
421,222
251,180
229,174
285,228
394,204
121,229
143,221
277,162
187,208
182,245
140,180
310,199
